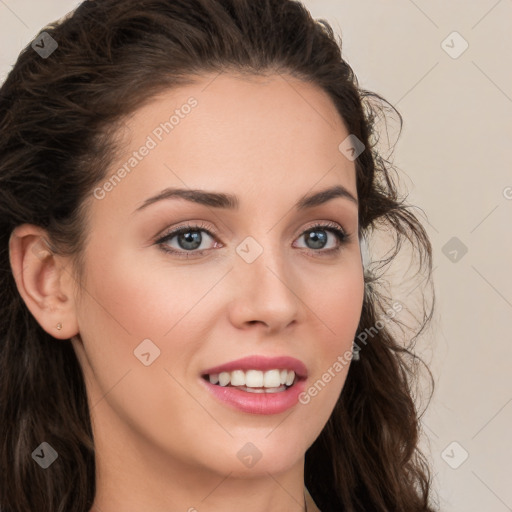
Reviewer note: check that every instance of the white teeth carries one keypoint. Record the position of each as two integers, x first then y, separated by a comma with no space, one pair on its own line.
271,379
238,378
224,378
253,390
254,379
264,390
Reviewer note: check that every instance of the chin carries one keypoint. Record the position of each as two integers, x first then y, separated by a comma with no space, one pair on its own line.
257,455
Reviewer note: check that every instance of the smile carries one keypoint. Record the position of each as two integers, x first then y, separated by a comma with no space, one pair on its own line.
255,381
257,384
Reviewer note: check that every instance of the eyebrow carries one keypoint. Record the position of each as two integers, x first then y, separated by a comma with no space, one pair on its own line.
231,202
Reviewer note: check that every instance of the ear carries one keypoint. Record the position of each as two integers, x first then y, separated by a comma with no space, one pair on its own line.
44,280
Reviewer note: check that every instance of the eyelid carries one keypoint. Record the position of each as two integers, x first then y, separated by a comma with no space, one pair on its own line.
325,224
191,225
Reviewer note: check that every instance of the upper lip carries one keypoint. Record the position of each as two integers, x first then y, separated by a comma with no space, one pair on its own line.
262,363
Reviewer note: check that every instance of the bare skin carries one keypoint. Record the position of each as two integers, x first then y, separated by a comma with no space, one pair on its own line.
163,442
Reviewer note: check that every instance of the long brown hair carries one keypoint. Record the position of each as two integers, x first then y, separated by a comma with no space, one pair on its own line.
58,119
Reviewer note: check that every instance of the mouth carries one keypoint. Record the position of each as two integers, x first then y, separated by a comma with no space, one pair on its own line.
257,384
255,381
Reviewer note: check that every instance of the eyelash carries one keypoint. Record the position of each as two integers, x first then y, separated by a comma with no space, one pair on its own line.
342,237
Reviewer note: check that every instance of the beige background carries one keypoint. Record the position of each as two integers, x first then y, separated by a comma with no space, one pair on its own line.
455,160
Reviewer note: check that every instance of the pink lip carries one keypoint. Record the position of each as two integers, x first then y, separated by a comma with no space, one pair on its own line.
259,403
262,363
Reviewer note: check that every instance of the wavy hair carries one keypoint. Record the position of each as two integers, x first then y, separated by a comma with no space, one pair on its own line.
58,120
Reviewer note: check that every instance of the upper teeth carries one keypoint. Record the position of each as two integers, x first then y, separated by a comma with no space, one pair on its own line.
254,378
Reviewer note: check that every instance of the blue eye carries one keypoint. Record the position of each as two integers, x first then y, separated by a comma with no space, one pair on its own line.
317,237
190,238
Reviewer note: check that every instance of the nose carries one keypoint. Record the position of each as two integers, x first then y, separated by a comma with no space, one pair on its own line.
265,292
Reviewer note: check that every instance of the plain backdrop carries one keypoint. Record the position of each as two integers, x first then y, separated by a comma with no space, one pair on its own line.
446,67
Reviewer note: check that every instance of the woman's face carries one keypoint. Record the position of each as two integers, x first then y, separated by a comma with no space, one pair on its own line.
158,311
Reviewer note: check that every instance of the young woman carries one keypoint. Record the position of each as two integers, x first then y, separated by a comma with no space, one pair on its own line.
187,318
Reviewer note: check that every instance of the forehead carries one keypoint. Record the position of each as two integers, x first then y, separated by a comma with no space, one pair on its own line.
234,133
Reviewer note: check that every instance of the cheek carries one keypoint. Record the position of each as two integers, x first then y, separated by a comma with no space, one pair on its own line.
342,304
337,307
137,299
126,301
336,300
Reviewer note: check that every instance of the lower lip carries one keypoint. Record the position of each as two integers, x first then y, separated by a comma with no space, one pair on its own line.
257,403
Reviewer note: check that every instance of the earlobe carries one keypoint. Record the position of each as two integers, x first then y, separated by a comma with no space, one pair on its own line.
43,280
